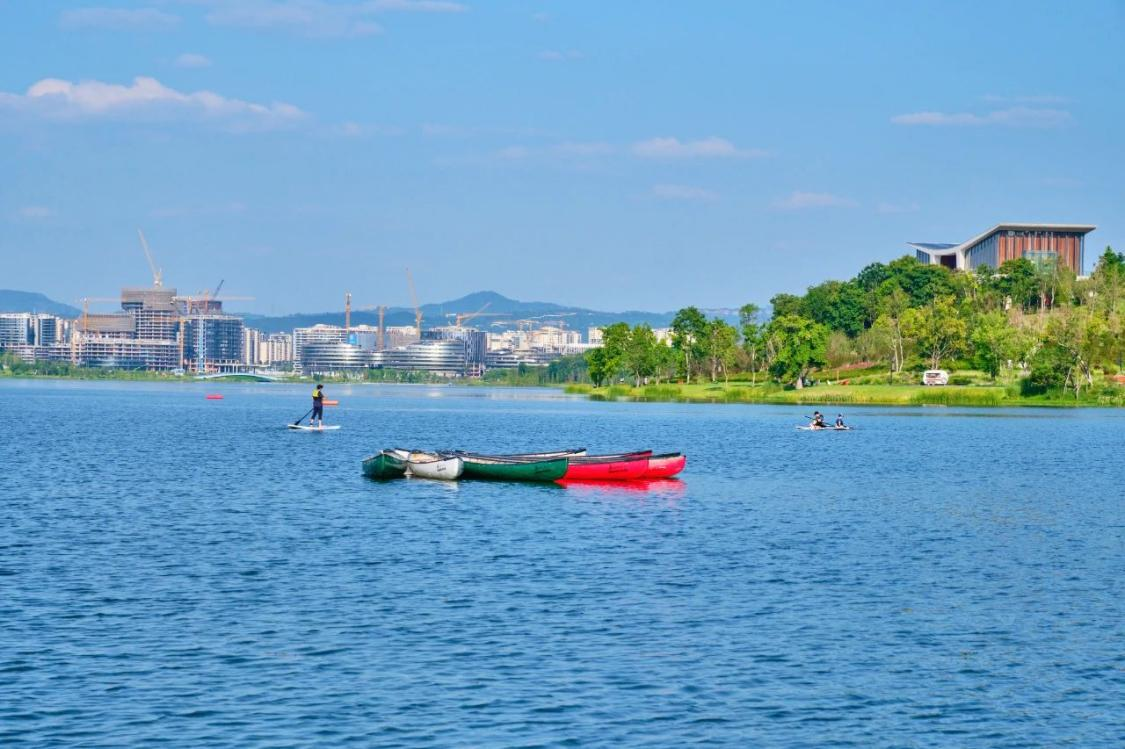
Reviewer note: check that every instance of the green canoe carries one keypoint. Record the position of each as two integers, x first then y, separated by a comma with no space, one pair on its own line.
388,464
499,469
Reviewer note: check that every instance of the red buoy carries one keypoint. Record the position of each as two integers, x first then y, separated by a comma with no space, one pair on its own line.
214,397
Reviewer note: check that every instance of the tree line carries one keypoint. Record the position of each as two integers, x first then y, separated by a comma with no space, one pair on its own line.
1034,320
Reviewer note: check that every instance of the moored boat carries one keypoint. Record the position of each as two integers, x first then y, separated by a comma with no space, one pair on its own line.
434,466
386,464
610,456
501,469
665,466
607,467
576,452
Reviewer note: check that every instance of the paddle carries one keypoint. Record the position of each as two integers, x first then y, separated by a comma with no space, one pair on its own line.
298,421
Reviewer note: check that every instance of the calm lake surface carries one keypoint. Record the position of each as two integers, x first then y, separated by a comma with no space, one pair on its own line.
183,572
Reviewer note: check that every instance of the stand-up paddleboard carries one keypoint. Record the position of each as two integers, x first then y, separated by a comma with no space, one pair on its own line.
825,429
303,428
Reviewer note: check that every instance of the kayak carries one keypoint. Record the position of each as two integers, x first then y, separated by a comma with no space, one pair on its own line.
303,428
665,466
432,466
501,469
388,464
579,451
607,467
611,456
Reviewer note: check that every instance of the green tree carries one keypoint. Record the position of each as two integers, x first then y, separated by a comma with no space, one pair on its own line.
786,304
992,340
1109,280
689,334
748,318
797,345
667,362
872,276
836,305
839,349
597,365
1078,340
921,281
722,347
641,356
938,329
1019,282
892,308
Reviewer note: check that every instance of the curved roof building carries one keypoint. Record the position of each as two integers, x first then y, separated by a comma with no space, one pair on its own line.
1061,243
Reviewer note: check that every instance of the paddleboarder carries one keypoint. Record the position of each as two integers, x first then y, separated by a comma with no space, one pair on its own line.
318,406
818,420
840,422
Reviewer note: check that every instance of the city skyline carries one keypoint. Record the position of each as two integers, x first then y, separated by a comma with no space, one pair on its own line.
594,156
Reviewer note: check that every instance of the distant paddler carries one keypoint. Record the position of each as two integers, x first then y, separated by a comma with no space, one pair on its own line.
318,407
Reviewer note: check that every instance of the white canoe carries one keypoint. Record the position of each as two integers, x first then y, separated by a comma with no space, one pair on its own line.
429,466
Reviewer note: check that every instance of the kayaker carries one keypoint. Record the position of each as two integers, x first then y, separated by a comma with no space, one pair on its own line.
818,420
318,406
840,422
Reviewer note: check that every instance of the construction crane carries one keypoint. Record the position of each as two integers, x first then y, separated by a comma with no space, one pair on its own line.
157,273
382,310
463,317
202,302
414,299
86,308
347,314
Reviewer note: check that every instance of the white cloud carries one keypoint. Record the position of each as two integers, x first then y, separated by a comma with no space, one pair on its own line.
673,148
684,192
36,212
192,60
1013,117
556,55
145,98
118,19
798,200
318,18
897,208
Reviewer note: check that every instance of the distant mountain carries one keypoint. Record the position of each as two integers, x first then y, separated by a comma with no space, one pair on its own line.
499,313
30,301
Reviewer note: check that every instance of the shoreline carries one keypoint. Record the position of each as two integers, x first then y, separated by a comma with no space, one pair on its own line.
994,396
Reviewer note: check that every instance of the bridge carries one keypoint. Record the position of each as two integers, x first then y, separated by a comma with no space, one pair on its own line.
232,375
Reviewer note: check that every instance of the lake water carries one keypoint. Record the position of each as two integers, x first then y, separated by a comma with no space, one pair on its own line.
182,572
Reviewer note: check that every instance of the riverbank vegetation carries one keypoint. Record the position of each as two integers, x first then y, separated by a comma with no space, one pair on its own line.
1026,332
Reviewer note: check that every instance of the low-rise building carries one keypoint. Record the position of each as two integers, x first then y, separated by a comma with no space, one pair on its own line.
1064,244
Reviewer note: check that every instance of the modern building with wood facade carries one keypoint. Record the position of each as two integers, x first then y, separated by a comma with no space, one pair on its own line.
1057,243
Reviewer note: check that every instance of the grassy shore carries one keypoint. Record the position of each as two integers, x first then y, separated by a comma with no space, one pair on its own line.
853,395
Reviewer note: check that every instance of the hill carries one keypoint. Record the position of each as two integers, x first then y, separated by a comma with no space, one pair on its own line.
30,301
501,313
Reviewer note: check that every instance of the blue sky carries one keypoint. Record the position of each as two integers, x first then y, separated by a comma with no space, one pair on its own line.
643,155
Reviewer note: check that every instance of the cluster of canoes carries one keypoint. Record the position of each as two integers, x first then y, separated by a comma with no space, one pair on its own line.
563,465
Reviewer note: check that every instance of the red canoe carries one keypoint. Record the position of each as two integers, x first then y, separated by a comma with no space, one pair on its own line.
607,468
665,466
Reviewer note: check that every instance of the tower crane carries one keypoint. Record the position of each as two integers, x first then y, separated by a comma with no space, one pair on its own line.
414,299
464,317
157,273
347,314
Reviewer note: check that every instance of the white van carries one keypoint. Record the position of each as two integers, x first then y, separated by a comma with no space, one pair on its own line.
935,377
